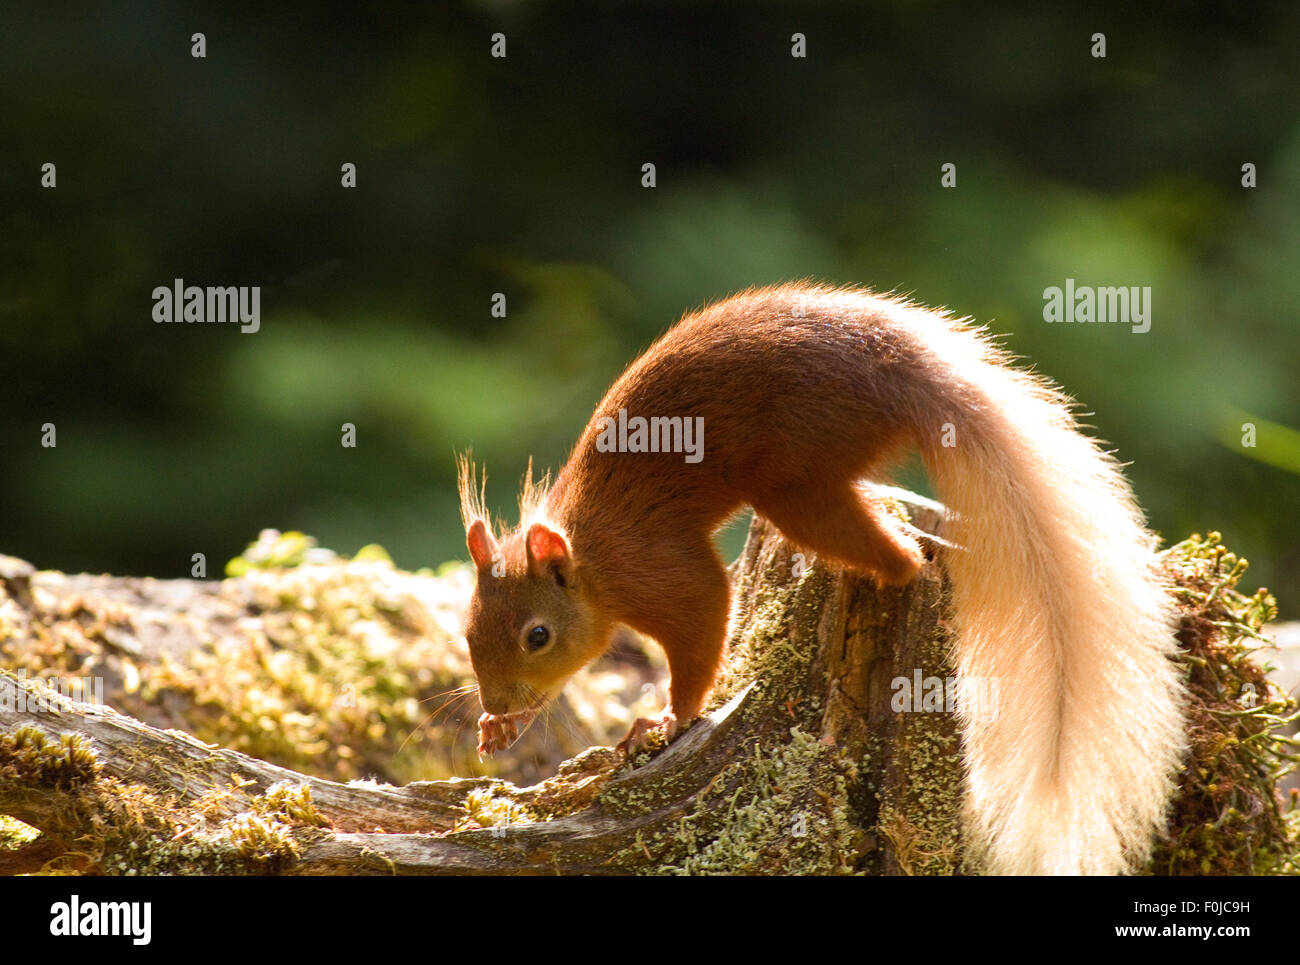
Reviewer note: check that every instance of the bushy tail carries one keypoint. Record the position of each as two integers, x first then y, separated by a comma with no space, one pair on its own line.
1061,617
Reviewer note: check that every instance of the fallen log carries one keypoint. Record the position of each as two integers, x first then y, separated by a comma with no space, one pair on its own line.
829,746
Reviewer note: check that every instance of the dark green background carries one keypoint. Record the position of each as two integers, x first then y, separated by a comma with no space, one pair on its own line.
523,176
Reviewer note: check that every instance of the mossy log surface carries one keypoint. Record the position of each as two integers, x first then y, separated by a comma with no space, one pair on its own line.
800,765
776,778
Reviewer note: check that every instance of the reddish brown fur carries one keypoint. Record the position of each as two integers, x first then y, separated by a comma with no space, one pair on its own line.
788,406
795,409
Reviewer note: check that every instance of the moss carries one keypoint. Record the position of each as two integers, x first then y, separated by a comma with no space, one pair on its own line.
274,550
336,668
126,829
489,811
372,553
920,816
291,801
761,652
329,679
28,756
784,807
328,671
339,669
788,816
266,837
574,786
14,834
1228,817
262,841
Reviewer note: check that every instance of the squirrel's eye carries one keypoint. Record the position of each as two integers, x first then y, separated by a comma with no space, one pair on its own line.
538,637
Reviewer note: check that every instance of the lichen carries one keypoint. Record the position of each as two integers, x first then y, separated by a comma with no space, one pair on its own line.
781,809
922,822
920,813
759,652
789,816
785,805
790,803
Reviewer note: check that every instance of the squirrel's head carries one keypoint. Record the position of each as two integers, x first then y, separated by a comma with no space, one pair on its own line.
531,623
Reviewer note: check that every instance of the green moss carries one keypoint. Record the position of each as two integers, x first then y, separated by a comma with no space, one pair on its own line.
342,669
28,756
124,828
14,834
261,840
789,815
372,553
1228,817
489,811
265,838
761,652
784,806
921,816
329,671
329,680
274,550
290,801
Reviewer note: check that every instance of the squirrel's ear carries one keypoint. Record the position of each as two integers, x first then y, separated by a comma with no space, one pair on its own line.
482,547
547,550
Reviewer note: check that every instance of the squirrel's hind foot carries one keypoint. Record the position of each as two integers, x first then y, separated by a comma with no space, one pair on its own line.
645,730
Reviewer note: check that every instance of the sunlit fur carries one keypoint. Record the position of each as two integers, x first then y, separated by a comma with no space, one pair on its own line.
803,390
472,486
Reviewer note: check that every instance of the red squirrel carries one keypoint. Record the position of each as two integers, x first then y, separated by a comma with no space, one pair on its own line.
798,392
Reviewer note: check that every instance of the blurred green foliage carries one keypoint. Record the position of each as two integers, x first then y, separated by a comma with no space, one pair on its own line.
478,175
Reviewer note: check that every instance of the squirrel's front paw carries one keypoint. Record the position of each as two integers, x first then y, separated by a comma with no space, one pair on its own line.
496,732
645,728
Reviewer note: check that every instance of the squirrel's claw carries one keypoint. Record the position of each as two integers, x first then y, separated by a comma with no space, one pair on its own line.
496,732
643,730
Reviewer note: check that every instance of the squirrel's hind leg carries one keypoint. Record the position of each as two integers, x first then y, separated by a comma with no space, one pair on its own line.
847,525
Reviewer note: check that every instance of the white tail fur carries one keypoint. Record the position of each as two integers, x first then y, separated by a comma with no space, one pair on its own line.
1059,606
